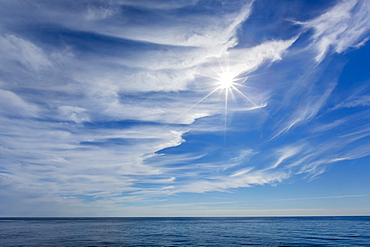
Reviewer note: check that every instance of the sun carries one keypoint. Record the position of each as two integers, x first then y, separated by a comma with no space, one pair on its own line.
226,80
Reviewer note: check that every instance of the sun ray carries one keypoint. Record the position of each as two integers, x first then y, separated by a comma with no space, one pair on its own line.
254,104
244,96
226,101
233,97
197,103
227,82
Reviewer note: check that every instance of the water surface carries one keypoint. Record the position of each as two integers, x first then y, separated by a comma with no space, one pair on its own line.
240,231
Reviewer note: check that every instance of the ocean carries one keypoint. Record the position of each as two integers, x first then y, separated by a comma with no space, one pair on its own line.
187,231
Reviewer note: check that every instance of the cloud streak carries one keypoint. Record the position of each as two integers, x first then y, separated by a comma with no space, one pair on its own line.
342,27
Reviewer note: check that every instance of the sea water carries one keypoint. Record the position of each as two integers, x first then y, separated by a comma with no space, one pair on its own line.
235,231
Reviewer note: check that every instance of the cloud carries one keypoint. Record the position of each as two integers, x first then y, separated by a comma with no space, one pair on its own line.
74,113
284,154
359,101
166,25
191,30
16,49
329,126
224,184
56,152
325,197
109,104
13,105
241,61
342,27
305,111
162,5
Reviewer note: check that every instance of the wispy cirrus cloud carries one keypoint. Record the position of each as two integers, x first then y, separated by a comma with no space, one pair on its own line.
307,108
325,197
16,106
108,104
16,49
342,27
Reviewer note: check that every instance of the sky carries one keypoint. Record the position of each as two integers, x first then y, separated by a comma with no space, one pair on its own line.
184,108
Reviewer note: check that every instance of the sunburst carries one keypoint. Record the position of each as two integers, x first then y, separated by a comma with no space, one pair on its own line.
227,81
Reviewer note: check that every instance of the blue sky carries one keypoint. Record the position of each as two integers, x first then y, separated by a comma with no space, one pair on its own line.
184,108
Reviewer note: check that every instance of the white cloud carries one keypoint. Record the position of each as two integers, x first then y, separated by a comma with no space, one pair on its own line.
359,101
102,122
26,53
324,197
161,5
56,157
12,104
98,13
242,172
329,126
191,30
248,60
200,29
247,179
284,154
342,27
305,110
54,162
74,113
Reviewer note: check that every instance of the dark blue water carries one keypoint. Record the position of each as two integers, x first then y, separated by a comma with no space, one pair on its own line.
252,231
